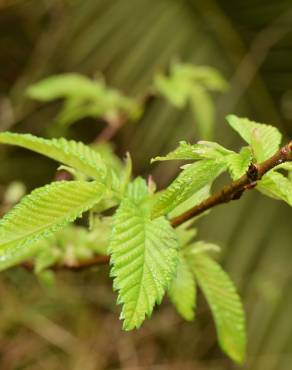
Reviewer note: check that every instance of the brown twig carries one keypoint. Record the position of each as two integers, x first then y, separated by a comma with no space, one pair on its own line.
236,188
76,266
229,192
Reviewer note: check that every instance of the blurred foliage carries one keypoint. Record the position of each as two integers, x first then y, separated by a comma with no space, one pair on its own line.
83,98
74,325
189,83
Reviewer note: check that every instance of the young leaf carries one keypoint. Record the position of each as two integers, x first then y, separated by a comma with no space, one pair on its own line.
224,303
287,166
267,139
192,179
275,185
182,291
177,87
144,257
202,150
72,153
42,213
208,77
83,98
46,257
238,163
185,234
195,199
65,85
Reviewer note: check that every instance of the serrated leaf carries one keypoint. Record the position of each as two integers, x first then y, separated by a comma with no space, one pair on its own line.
268,137
238,163
225,305
143,257
192,179
43,212
71,153
137,190
275,185
202,150
182,290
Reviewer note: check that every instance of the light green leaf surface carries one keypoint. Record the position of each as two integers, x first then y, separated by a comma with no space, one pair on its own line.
203,111
188,83
287,166
42,213
172,89
277,186
143,257
65,85
72,244
202,150
195,199
225,305
208,77
71,153
238,163
182,291
193,178
266,137
83,98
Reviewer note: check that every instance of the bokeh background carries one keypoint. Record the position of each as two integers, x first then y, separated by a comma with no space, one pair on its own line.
74,325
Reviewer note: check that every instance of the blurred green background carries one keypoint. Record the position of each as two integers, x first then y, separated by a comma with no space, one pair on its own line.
74,325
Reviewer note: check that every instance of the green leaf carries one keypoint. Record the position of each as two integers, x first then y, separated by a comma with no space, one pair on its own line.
137,190
71,153
202,247
268,138
172,89
65,85
42,213
193,178
46,257
195,199
182,291
224,303
143,257
287,166
209,77
202,150
275,185
238,163
84,98
188,83
203,111
72,244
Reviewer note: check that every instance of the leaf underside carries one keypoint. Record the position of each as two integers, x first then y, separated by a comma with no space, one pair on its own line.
182,291
224,303
275,185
